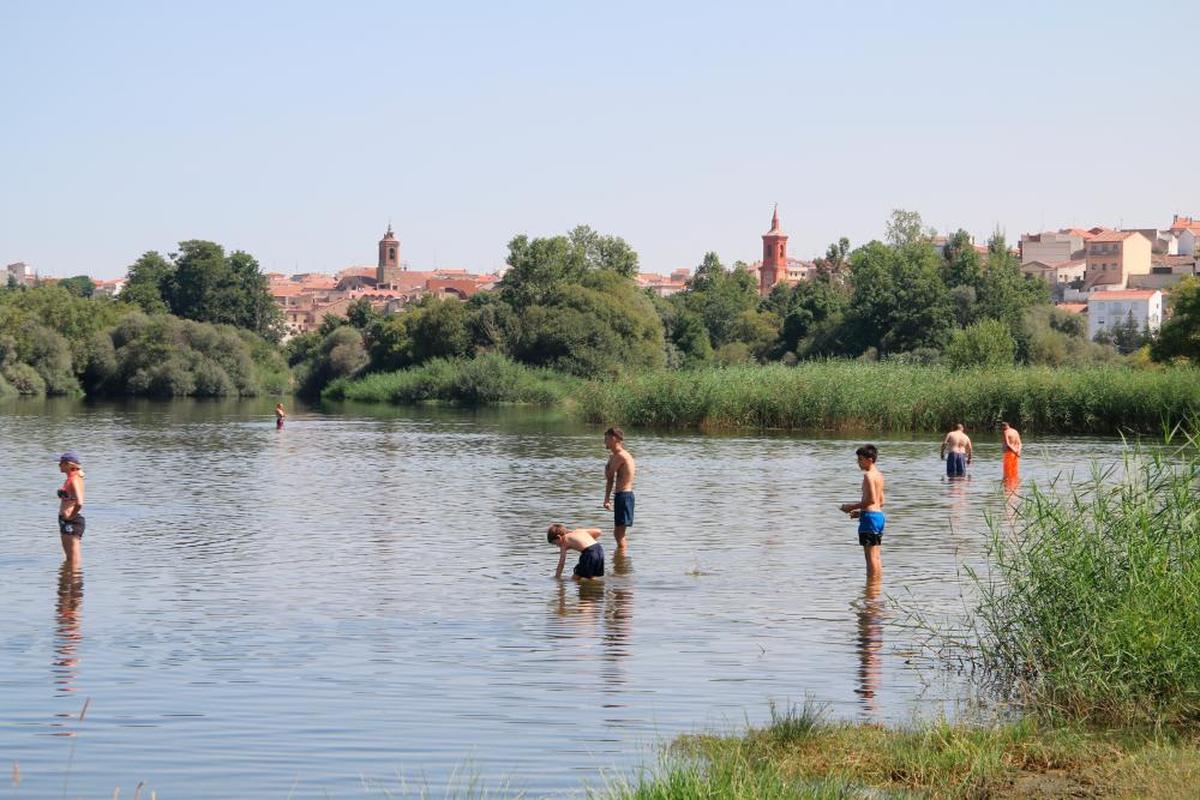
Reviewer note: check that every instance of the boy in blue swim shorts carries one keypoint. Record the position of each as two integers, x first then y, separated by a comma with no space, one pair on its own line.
869,511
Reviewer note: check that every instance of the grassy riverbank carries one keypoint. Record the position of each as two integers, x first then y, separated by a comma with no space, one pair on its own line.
800,756
834,395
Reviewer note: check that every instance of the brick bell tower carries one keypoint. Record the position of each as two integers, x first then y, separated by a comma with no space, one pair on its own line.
388,271
774,260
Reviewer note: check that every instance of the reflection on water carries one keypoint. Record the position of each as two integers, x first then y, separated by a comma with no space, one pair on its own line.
365,593
870,645
68,633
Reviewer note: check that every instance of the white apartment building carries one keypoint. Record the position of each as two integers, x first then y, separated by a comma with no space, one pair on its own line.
1107,309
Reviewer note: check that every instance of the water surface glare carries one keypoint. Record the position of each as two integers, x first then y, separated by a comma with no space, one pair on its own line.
363,600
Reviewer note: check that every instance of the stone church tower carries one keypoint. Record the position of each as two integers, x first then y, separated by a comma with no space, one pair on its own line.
775,259
388,271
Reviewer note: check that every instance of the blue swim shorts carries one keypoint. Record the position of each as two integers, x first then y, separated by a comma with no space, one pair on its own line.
591,563
956,465
623,509
870,528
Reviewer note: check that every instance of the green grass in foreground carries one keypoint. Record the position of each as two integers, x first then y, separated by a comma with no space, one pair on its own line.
844,760
853,395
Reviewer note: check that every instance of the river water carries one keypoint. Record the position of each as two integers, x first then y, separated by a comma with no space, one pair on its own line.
363,602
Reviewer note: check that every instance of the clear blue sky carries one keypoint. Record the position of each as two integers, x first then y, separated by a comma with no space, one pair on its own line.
296,130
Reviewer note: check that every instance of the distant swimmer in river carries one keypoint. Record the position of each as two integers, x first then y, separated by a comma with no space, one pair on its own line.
583,540
1012,453
280,415
70,505
959,445
619,473
869,511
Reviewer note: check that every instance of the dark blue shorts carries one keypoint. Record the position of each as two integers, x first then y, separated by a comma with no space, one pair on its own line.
870,528
72,527
956,465
591,562
623,509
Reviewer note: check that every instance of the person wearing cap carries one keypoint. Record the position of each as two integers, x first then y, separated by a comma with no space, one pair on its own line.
70,503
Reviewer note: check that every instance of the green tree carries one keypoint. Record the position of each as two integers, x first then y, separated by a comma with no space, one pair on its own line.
538,267
809,304
962,265
987,343
905,228
1180,335
79,285
718,297
361,314
145,281
899,302
595,327
439,329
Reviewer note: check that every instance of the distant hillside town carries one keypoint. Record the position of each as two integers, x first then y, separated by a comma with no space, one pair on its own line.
1108,274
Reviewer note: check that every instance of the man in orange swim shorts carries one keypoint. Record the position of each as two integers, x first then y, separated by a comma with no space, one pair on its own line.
1012,452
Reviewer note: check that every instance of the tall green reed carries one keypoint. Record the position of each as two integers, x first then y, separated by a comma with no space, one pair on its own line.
1091,604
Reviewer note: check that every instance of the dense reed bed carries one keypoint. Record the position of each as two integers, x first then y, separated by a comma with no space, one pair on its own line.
852,395
1091,606
487,380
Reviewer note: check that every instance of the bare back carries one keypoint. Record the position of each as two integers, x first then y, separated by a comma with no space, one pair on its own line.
581,539
957,442
1012,441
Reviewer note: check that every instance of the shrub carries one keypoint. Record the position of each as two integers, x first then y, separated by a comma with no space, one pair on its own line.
987,343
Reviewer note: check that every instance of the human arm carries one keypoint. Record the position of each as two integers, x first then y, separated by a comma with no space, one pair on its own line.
610,474
970,451
595,533
942,450
77,490
562,558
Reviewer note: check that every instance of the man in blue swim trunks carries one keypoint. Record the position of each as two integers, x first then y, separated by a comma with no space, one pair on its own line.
959,445
869,511
619,472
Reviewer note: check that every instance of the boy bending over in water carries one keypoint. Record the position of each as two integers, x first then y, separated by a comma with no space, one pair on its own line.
869,511
591,554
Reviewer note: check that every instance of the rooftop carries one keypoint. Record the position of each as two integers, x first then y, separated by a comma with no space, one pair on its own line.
1124,294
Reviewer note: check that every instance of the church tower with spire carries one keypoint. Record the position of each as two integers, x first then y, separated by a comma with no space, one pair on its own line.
775,259
388,271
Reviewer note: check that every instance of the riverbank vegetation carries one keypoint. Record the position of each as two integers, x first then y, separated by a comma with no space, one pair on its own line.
219,342
891,396
800,755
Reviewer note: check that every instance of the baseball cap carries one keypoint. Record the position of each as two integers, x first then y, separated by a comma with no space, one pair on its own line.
70,456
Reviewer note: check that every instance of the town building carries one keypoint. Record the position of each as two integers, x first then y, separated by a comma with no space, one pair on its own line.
774,266
1187,230
18,273
1058,274
306,299
1052,247
1108,309
664,285
1113,256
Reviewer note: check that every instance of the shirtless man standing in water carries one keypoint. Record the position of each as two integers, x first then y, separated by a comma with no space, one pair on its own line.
960,452
1012,453
619,472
